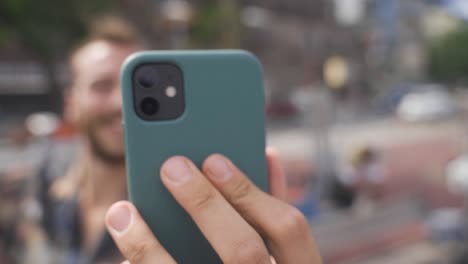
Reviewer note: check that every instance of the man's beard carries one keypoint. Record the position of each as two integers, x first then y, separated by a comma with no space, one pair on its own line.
98,148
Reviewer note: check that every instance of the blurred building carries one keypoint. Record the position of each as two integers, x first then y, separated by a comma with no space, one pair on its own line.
382,42
288,37
24,85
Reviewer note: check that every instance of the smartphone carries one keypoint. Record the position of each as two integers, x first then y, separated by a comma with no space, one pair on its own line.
190,103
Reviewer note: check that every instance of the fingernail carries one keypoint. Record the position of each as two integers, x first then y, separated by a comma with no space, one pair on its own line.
177,170
119,217
219,168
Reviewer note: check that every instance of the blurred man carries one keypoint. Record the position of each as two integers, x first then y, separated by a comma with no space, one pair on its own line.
69,226
76,205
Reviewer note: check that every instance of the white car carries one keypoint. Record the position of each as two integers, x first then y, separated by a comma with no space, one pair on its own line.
429,103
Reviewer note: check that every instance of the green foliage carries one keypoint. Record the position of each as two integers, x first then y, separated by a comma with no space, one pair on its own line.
448,57
47,29
48,26
204,29
217,25
3,36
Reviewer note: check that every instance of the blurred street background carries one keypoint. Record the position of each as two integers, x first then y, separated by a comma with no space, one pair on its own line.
367,101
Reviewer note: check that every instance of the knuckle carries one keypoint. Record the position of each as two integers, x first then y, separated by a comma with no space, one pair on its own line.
203,199
250,251
137,251
240,191
291,226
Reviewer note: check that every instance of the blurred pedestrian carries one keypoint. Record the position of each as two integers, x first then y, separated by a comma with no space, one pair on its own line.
369,179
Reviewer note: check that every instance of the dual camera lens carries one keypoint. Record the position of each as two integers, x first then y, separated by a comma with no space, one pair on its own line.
158,91
147,77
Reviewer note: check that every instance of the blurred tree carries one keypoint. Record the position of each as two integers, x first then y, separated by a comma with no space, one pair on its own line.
47,29
448,57
217,25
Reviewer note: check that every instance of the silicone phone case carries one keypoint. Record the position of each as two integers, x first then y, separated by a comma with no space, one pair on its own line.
224,113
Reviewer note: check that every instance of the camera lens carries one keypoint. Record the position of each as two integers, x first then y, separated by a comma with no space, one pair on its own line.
149,106
147,76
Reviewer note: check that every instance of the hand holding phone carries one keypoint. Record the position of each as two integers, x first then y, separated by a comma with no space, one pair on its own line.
191,104
231,211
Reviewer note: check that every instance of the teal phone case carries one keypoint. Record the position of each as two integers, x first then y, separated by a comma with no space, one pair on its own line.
224,113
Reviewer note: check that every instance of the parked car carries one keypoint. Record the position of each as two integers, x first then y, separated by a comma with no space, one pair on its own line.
427,103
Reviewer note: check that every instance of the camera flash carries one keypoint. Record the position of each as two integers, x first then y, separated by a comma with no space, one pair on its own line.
171,91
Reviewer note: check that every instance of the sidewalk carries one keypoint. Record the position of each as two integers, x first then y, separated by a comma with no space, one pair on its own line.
419,253
300,141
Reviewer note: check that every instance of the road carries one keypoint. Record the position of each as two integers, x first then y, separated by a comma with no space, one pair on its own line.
415,155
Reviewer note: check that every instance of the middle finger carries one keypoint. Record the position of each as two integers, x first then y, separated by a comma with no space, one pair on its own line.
284,227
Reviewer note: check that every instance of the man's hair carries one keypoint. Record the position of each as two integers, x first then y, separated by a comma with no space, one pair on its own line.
108,28
112,29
